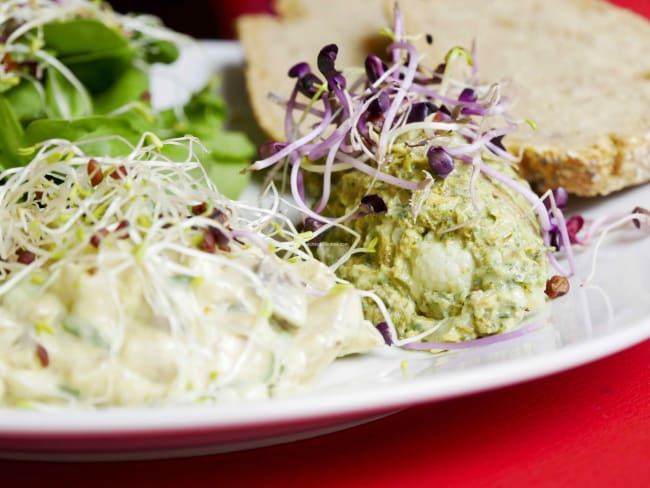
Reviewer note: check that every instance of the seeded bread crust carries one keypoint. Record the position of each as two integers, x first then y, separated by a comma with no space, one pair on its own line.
610,165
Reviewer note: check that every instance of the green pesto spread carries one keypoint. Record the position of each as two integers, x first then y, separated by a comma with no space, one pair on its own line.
480,279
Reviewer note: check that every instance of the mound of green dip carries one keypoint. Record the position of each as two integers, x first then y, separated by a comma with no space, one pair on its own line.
483,278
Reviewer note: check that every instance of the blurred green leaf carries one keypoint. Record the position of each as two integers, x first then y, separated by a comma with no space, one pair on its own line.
229,146
227,152
81,37
228,177
161,52
10,135
26,102
108,129
96,53
108,66
63,100
126,89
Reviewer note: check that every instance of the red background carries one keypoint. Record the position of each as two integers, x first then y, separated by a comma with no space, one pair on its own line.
589,426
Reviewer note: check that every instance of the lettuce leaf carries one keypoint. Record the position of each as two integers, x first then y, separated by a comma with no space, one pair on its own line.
111,67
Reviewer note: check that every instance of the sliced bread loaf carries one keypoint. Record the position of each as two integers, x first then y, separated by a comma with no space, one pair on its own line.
272,45
578,68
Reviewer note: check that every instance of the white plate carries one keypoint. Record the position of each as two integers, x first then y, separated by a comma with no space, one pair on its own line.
588,324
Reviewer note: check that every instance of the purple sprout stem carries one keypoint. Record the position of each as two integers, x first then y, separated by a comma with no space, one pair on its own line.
375,173
290,148
451,102
527,194
478,143
345,103
555,263
398,30
320,149
482,341
601,222
390,115
250,237
473,53
295,191
501,153
304,107
327,176
566,240
288,115
301,184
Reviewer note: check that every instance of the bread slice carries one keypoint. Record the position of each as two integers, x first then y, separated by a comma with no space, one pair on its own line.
272,45
581,71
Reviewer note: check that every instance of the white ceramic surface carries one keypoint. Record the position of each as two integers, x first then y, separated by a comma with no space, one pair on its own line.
590,323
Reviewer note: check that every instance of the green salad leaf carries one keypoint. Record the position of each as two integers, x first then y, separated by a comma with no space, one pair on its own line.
85,76
96,53
26,103
131,86
11,133
126,126
62,100
228,152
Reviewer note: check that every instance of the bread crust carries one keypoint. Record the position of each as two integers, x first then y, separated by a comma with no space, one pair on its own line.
605,167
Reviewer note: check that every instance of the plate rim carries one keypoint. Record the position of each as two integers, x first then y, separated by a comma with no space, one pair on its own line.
303,409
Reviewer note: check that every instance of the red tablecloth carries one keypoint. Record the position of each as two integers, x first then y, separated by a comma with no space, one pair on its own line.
586,427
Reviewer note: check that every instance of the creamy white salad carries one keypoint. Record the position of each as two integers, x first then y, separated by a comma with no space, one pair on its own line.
134,282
